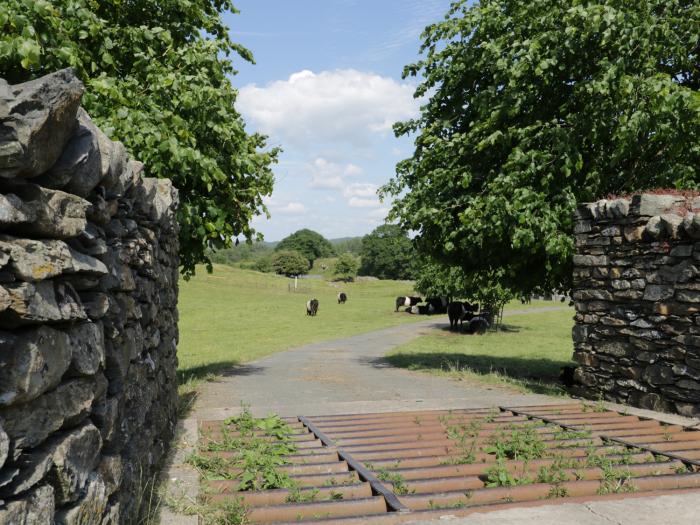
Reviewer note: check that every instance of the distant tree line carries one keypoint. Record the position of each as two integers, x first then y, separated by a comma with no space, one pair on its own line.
385,253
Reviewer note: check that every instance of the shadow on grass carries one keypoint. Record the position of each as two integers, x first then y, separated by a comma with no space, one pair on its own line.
462,329
190,378
540,376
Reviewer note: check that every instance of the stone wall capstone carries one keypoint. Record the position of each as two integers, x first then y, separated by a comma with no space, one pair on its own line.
637,297
88,313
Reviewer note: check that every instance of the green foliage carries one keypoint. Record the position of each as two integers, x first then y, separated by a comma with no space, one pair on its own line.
346,268
387,253
435,279
255,460
158,79
309,243
517,442
535,106
243,252
347,245
289,262
397,480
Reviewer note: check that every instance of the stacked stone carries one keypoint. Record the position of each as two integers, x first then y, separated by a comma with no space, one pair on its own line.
88,319
637,297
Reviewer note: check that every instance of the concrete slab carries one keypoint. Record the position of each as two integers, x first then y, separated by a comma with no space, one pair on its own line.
673,509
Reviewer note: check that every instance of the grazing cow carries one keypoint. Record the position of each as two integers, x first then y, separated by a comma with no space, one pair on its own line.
342,298
419,309
478,324
312,307
437,305
458,311
407,302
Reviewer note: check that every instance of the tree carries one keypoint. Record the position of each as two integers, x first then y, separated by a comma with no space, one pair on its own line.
348,245
289,263
387,253
533,107
310,244
157,77
435,279
346,268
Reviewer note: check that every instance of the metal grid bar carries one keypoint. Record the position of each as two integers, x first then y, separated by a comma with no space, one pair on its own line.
377,486
613,439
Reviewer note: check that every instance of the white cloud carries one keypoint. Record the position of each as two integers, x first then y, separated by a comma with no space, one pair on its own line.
329,175
353,171
291,208
365,190
344,106
359,202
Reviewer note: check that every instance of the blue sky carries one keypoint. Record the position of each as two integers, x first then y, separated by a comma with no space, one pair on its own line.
326,87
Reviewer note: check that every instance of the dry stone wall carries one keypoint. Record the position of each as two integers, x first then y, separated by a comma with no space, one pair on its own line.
637,297
88,318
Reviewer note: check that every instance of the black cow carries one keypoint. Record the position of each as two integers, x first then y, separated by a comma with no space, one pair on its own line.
342,298
437,305
458,312
312,307
421,309
407,301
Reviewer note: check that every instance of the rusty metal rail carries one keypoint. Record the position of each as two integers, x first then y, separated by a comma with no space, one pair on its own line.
387,468
391,500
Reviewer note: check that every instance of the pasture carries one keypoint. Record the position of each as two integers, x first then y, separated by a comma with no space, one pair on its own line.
232,315
527,353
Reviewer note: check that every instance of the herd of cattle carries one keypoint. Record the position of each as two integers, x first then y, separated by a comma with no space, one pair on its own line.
457,311
478,321
312,304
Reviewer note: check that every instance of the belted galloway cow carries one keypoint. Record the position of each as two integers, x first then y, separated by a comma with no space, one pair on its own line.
458,311
312,307
407,302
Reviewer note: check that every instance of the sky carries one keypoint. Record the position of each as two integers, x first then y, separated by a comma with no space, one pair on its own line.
326,87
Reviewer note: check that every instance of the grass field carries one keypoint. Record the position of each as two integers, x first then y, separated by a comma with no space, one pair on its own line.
233,315
527,354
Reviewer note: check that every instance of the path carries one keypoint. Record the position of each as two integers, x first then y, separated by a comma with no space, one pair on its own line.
350,376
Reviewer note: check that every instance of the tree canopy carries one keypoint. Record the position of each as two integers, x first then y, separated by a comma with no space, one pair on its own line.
289,263
387,253
158,79
435,279
535,106
309,243
345,267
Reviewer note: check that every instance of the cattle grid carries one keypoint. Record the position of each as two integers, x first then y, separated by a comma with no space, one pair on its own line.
391,467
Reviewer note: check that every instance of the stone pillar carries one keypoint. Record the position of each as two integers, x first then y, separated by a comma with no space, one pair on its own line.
637,297
88,313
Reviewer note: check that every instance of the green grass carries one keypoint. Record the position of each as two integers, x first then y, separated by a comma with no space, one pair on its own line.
329,263
527,354
233,316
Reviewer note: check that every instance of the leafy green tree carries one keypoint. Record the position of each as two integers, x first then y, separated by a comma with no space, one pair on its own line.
534,106
309,243
158,79
289,262
387,253
349,245
346,267
435,279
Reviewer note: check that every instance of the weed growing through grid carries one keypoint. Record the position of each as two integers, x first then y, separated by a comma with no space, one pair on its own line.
397,480
499,475
517,442
465,436
255,459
